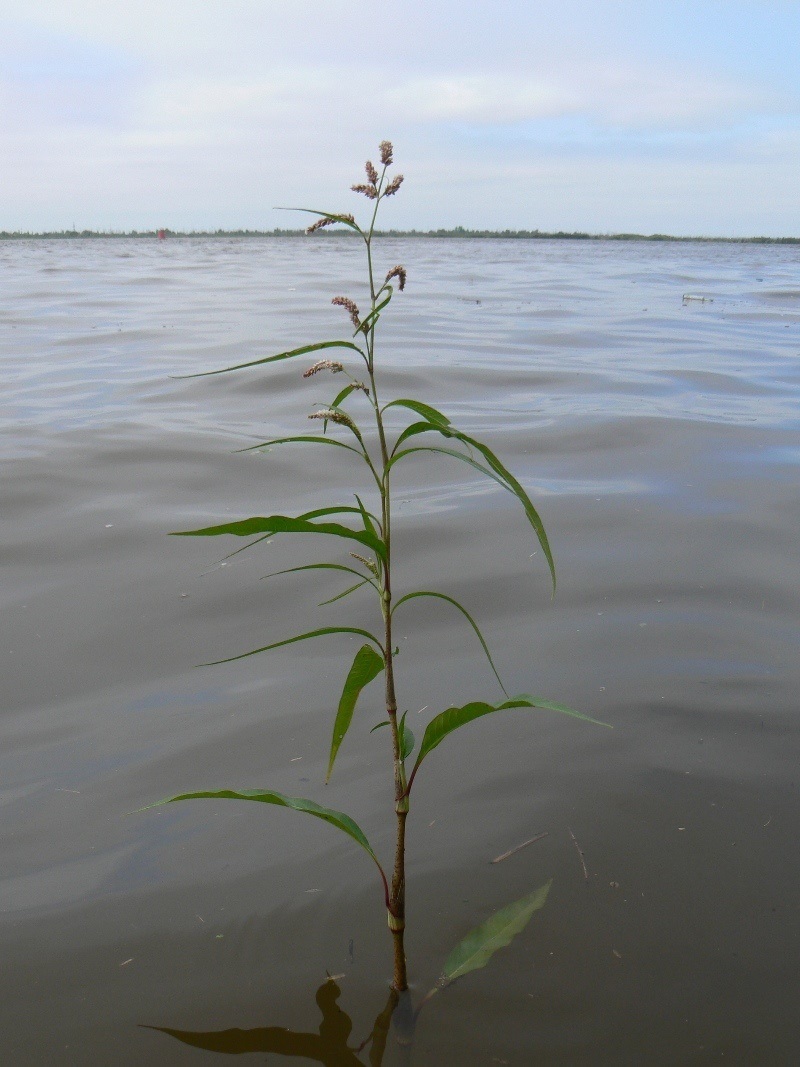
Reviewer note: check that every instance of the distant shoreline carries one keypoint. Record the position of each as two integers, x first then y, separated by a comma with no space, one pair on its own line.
458,233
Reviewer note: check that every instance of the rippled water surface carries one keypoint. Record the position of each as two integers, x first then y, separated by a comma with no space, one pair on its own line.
659,438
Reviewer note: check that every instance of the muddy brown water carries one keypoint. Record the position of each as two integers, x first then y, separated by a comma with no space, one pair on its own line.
659,438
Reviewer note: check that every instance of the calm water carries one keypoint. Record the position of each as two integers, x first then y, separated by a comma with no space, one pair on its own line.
659,439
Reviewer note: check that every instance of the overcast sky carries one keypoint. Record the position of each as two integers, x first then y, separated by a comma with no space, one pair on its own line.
598,115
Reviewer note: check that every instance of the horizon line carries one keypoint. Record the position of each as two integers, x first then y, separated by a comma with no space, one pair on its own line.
455,232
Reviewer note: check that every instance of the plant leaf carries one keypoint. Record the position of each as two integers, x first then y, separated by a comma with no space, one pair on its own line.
514,487
345,221
306,439
281,355
465,613
375,314
348,389
273,524
447,721
441,423
498,931
347,592
300,637
318,567
430,414
449,452
267,796
368,519
407,740
378,725
367,665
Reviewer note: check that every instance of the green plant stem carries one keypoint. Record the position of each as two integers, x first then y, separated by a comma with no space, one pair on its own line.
397,894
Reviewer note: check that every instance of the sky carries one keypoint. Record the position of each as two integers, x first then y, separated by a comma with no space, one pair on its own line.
594,115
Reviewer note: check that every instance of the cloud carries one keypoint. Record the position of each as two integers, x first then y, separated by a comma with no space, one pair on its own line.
613,95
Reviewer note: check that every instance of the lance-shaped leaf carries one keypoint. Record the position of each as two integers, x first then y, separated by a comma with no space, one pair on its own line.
465,613
267,796
321,567
266,525
448,452
499,930
430,414
514,487
346,592
308,439
280,356
447,721
407,740
300,637
442,425
345,220
375,314
367,665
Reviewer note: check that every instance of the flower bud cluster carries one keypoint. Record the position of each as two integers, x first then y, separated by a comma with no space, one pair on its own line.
332,365
333,416
369,191
318,225
399,273
348,305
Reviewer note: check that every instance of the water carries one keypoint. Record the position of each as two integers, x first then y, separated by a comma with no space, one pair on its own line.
659,439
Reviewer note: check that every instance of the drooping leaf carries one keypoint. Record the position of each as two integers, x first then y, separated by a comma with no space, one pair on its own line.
515,487
300,637
442,424
344,219
407,740
465,613
449,452
309,439
430,414
378,725
447,721
280,356
499,930
412,430
274,524
367,665
267,796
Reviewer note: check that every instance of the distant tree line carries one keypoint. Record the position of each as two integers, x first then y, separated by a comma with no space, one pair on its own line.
455,232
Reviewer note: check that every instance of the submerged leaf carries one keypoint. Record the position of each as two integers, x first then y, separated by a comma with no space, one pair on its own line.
447,721
499,930
367,665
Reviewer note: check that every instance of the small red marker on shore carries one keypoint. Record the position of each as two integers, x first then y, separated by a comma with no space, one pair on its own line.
162,235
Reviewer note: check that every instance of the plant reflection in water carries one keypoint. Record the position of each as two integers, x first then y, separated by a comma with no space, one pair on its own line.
330,1045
